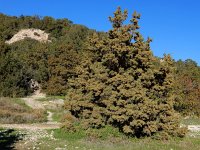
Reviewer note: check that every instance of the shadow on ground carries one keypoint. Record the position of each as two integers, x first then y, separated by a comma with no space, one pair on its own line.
8,137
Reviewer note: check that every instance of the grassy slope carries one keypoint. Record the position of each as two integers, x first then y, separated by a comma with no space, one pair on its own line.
16,111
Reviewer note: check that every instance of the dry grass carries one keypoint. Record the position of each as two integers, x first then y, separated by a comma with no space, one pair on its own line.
15,111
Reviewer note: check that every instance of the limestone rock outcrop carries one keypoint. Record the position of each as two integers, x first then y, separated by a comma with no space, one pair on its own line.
35,34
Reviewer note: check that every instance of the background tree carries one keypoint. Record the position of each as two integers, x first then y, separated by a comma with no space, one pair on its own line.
187,87
62,60
13,76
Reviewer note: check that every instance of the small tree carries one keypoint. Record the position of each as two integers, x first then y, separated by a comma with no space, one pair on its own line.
121,86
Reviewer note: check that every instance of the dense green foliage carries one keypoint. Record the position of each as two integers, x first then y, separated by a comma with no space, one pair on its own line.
51,64
122,86
187,87
13,75
11,25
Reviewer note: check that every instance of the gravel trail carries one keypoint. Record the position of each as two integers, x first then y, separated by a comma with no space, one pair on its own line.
32,100
36,126
32,134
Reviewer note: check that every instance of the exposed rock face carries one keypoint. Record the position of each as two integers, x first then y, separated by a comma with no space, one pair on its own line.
35,34
34,85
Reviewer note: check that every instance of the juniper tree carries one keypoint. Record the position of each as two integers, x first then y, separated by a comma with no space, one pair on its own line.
120,84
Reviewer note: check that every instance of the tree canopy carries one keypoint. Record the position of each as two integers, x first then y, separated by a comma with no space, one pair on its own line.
121,86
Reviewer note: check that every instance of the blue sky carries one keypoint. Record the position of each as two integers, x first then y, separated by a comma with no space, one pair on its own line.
174,25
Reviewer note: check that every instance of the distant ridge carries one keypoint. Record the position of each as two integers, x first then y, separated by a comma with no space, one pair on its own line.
32,33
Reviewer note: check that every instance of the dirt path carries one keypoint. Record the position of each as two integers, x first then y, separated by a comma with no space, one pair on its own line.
50,119
37,126
194,128
33,133
34,103
32,100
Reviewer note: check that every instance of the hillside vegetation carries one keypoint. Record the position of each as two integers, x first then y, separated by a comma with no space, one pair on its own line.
109,79
51,64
